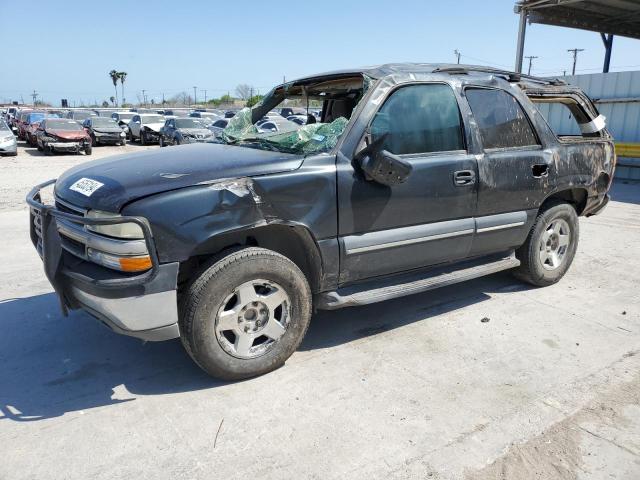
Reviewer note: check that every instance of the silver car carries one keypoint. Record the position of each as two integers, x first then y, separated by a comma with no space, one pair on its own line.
8,142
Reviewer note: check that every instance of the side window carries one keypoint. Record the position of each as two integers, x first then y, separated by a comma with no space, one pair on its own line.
565,116
420,119
500,118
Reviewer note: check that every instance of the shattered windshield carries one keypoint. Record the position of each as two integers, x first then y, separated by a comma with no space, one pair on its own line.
338,97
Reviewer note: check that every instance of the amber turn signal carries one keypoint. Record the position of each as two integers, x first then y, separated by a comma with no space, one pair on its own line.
135,264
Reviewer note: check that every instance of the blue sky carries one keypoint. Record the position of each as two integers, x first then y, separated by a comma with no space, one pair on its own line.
65,49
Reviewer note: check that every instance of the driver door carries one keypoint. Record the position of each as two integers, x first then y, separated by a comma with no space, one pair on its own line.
428,219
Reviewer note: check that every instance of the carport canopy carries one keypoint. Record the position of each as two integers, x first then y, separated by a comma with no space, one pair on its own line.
609,17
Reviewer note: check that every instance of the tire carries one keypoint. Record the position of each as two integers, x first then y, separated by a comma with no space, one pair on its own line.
38,146
142,139
161,142
130,136
176,141
538,264
94,142
212,295
47,150
88,150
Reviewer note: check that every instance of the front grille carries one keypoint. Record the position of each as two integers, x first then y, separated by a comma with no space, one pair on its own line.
68,208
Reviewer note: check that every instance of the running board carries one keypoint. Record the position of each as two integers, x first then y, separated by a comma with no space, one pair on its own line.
379,290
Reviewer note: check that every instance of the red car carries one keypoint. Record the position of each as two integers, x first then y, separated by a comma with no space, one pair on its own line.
62,135
19,121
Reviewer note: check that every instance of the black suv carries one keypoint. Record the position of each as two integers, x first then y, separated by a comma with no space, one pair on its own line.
416,176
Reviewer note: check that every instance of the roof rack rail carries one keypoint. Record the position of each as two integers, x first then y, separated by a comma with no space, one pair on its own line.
510,76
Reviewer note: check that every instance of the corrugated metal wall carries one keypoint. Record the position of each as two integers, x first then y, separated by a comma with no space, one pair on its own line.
617,96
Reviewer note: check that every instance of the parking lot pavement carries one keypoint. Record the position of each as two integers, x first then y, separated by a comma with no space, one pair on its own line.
31,167
482,380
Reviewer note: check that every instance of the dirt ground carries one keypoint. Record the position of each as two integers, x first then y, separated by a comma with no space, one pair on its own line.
486,380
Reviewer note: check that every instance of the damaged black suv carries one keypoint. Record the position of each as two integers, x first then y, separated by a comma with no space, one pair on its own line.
415,176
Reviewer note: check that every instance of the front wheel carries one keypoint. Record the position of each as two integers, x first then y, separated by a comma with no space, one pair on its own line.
245,314
142,139
550,247
88,149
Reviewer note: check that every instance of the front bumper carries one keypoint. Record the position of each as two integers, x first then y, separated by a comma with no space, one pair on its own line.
109,138
66,146
139,305
10,146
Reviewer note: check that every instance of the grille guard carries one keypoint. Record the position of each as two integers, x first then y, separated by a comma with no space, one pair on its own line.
50,213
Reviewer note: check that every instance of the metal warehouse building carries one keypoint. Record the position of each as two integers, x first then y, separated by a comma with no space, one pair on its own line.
617,96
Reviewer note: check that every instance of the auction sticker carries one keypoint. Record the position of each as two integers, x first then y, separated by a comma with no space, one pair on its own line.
86,186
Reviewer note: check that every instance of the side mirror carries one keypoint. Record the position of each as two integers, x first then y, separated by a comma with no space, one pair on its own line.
382,166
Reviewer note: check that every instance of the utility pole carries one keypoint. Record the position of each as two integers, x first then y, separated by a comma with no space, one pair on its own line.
144,98
162,98
34,95
205,97
530,57
575,57
195,98
457,54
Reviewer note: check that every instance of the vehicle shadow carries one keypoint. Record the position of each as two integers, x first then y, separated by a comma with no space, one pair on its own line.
52,365
332,328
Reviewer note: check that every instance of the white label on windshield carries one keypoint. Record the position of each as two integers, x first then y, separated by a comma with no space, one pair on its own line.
86,186
318,138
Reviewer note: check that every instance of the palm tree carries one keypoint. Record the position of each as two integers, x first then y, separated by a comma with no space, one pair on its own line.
114,78
122,76
113,99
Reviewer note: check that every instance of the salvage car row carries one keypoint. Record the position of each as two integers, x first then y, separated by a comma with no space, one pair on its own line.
79,130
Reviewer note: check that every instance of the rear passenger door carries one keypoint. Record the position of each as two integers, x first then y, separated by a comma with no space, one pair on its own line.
514,171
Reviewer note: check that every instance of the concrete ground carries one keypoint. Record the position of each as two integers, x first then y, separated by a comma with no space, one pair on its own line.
546,387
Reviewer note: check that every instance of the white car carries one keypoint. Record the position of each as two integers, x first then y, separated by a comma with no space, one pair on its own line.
146,128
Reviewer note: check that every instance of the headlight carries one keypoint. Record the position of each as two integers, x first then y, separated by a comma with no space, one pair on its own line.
7,139
122,134
118,230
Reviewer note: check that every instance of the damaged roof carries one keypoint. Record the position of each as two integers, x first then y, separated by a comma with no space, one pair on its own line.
408,69
618,17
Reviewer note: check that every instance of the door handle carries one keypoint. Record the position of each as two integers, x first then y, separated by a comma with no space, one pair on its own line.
464,177
540,170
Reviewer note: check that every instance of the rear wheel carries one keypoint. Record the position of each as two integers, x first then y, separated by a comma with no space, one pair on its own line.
550,247
245,314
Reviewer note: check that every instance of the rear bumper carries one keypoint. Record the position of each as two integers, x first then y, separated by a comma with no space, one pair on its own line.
139,305
596,205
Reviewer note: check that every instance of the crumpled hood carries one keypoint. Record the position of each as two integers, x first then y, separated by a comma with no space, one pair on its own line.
66,134
131,176
153,126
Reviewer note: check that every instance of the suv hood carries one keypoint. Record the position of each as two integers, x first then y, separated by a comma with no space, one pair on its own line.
132,176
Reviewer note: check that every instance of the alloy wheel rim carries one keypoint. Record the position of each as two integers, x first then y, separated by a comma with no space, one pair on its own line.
253,318
554,244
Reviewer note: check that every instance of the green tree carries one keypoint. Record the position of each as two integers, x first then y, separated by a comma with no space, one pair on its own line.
114,78
253,100
122,76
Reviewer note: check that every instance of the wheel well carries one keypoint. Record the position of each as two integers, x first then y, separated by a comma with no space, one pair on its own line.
294,242
574,196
